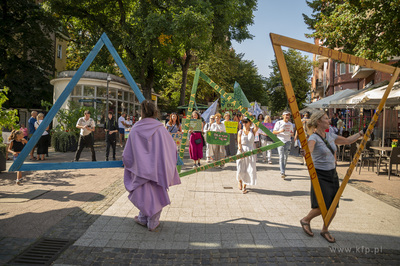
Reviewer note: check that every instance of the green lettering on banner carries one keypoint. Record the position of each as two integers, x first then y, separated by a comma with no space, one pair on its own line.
231,127
235,105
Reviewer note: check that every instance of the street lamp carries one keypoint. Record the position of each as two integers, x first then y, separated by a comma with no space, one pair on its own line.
108,83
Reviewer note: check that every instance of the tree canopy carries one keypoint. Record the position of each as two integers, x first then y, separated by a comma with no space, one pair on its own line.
365,28
300,70
151,34
26,52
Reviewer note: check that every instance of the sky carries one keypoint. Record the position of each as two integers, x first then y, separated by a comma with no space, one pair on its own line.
283,17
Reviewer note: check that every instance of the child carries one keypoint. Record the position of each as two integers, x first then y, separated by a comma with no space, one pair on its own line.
16,145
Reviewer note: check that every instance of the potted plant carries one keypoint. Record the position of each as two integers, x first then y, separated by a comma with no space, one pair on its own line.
65,135
8,120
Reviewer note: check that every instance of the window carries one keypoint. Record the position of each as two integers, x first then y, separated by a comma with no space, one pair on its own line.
59,51
342,68
88,91
77,91
101,92
351,68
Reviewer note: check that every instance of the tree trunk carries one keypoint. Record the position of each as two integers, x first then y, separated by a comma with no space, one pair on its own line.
147,76
185,69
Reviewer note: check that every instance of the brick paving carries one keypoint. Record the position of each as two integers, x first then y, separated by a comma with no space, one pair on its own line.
211,222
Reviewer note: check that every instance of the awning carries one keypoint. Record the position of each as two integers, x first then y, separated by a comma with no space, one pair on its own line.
326,102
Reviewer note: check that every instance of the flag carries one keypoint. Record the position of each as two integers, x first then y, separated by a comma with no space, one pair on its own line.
256,110
239,95
210,111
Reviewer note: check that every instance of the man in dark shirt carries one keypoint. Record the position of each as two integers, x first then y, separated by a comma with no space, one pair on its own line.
334,120
111,129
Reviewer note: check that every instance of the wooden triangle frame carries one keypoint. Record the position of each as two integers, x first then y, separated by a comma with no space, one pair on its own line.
233,101
19,165
277,42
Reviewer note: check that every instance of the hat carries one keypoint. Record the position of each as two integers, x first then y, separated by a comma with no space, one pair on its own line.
285,113
245,118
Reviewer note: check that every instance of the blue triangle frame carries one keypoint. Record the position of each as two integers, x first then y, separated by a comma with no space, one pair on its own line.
19,165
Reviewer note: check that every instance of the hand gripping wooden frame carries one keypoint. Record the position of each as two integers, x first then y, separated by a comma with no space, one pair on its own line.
233,101
277,42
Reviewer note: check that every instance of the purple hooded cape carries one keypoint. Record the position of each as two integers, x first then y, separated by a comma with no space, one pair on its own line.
150,157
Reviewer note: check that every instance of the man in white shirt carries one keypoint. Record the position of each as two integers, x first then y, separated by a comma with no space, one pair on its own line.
87,126
283,129
122,125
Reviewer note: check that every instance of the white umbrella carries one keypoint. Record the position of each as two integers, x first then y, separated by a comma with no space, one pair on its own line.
374,96
327,101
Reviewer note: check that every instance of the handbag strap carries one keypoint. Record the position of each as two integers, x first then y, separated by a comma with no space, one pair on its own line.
327,144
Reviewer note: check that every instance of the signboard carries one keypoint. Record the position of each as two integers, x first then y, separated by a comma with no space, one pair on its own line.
219,138
177,137
195,124
127,131
270,126
227,106
231,127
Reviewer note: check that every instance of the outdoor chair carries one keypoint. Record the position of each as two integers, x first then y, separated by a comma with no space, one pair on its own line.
394,159
366,157
349,151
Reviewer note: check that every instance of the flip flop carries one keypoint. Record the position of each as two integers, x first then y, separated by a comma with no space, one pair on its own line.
136,219
303,225
245,191
325,234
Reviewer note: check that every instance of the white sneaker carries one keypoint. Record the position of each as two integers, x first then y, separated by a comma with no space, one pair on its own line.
270,162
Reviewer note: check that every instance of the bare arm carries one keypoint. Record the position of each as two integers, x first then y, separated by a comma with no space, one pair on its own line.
346,141
239,141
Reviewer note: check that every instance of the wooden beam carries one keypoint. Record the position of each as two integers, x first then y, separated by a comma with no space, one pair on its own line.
337,55
299,126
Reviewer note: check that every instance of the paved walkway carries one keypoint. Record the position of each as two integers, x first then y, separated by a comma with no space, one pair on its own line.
210,221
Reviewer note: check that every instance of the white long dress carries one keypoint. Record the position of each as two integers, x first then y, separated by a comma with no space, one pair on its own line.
246,167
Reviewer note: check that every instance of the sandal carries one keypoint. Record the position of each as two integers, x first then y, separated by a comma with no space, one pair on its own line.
136,219
245,191
240,185
306,228
326,234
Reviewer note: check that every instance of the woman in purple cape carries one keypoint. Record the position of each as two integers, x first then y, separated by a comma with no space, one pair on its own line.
149,157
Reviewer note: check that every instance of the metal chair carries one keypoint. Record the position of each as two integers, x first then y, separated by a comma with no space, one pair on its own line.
394,159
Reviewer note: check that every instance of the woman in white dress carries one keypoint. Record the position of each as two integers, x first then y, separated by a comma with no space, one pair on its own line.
246,167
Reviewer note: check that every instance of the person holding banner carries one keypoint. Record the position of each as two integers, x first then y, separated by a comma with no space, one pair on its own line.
246,173
196,142
209,147
322,147
219,150
149,158
231,148
283,129
173,125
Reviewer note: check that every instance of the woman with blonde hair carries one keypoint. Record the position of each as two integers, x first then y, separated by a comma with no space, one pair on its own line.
265,140
43,144
322,147
218,150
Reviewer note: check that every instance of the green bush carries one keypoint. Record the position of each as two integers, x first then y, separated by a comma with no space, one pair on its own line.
63,141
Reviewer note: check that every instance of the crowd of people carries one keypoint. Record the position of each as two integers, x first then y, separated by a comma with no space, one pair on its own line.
150,154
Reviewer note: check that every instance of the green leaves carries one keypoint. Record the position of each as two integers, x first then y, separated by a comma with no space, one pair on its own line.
367,28
300,70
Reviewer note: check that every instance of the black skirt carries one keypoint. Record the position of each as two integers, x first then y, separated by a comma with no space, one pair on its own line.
329,182
43,145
